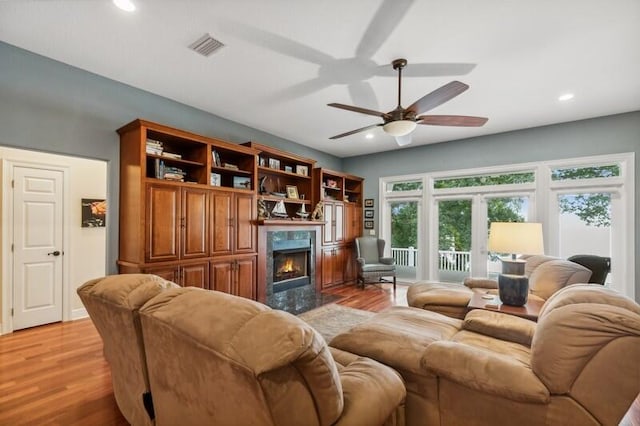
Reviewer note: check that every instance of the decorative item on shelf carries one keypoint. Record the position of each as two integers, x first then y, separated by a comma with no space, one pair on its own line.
515,238
230,166
242,182
262,187
318,212
368,214
288,169
279,210
215,179
216,158
262,162
302,170
263,212
278,192
274,163
292,192
302,212
368,224
331,183
368,202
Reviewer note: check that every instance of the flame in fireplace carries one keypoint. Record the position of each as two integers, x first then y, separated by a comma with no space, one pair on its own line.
287,266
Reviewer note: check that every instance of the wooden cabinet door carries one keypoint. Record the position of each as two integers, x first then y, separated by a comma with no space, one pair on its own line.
338,222
169,273
195,275
328,227
339,259
194,224
328,265
221,223
352,225
350,270
222,276
245,225
162,223
245,277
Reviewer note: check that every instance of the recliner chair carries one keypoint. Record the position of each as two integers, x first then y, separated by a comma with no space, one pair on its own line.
372,265
600,266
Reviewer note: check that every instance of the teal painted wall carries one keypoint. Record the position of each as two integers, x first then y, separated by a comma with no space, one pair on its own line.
605,135
48,106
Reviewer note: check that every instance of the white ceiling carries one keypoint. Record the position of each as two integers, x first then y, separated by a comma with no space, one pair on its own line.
284,60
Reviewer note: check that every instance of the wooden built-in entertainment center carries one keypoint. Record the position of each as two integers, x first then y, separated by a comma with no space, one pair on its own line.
189,209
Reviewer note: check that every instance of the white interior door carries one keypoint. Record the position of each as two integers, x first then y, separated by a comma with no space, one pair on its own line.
37,246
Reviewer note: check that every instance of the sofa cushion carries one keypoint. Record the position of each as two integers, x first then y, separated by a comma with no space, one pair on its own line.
555,274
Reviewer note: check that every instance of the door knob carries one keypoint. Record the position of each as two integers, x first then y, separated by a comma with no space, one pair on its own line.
54,253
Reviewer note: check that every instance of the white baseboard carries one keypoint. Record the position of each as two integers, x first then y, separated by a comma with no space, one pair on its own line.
79,313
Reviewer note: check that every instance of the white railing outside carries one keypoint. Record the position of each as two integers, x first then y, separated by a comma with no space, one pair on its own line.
449,260
405,256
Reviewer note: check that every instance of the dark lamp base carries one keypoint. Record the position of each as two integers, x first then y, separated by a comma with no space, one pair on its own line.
513,289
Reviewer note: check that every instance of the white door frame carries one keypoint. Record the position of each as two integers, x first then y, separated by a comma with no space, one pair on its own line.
385,227
8,165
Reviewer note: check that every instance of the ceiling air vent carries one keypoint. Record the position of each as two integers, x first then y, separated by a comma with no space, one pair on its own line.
206,45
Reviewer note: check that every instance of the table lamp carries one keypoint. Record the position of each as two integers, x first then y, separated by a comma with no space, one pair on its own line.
515,238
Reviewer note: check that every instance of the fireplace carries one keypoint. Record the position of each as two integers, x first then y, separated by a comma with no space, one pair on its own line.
291,264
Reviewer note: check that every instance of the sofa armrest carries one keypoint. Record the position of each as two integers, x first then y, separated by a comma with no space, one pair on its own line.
387,260
501,326
473,282
373,393
484,371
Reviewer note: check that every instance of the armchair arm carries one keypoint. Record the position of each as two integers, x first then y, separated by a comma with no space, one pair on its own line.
360,261
473,282
484,371
387,260
372,394
501,326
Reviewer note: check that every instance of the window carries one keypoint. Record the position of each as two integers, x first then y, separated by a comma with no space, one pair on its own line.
484,180
588,172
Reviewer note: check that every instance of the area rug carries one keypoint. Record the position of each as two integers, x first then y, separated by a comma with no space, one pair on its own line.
331,320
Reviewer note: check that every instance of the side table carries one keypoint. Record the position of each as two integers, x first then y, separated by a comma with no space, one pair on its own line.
530,310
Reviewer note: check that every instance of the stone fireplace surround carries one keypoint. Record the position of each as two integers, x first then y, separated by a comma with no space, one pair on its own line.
297,299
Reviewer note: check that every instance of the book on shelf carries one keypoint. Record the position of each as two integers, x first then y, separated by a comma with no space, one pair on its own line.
153,147
216,158
158,171
171,155
230,166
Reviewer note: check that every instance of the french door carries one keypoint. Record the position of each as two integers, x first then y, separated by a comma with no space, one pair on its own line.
404,236
461,229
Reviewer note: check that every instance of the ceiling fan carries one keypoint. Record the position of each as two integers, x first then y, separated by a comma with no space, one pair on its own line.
402,121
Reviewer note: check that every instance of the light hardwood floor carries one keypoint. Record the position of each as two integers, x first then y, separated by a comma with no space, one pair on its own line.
56,374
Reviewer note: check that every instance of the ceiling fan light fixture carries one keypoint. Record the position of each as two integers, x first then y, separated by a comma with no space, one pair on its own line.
399,127
126,5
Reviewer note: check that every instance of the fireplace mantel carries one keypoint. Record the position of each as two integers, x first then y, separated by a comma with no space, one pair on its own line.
285,222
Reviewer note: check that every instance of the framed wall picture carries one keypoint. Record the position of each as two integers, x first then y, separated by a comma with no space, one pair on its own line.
302,170
368,202
288,169
292,192
368,224
94,213
368,214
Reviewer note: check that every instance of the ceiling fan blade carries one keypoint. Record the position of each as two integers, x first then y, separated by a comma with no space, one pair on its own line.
403,140
452,120
427,70
438,97
360,110
384,22
355,131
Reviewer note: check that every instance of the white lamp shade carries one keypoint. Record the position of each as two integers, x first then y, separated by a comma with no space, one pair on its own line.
399,127
516,238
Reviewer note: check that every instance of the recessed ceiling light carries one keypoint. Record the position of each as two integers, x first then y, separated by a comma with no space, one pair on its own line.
126,5
369,136
565,97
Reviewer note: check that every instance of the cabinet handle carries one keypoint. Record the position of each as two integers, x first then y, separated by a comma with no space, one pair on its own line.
182,222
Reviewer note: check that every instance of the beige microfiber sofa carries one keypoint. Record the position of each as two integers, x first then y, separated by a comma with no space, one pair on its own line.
577,366
546,276
113,303
205,357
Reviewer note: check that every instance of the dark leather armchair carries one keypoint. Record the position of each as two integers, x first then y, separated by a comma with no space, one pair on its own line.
372,265
600,266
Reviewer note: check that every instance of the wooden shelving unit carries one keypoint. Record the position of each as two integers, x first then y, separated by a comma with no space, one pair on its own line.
286,170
